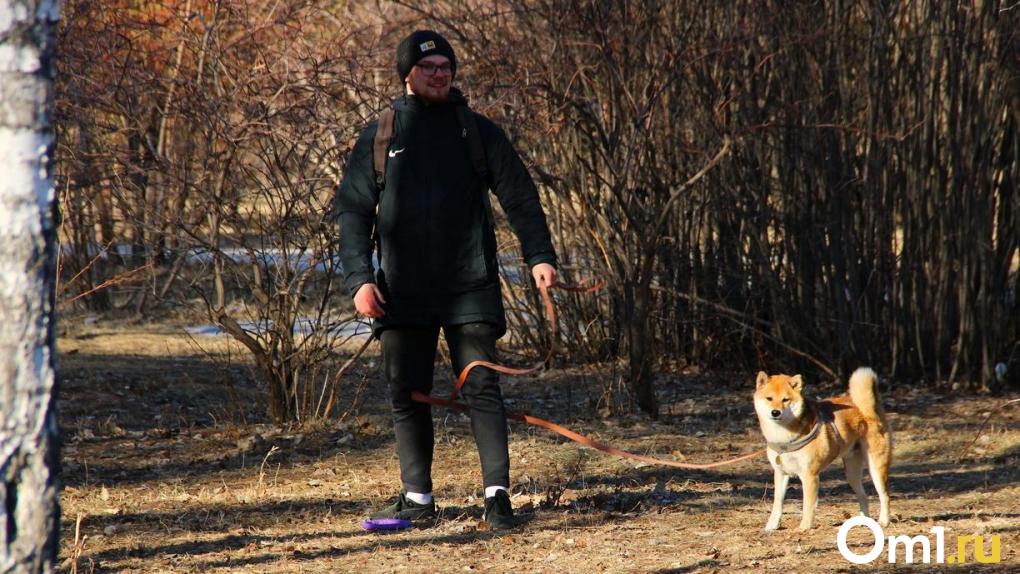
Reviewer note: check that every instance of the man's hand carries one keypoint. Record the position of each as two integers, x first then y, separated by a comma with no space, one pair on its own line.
369,301
544,274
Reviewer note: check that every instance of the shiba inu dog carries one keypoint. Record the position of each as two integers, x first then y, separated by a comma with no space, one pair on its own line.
804,436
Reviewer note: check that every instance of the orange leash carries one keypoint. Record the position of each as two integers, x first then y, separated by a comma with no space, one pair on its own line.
586,441
550,313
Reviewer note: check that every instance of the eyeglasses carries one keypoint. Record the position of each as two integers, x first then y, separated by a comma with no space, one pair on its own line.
430,69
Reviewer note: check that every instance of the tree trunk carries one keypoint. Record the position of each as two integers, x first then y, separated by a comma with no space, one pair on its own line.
639,337
640,360
29,455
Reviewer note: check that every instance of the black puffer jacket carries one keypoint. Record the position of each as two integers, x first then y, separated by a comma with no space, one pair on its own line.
437,247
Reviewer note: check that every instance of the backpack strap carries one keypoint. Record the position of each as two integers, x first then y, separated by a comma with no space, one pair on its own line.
476,151
469,131
381,145
380,148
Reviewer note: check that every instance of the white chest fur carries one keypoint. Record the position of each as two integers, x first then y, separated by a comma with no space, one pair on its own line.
791,463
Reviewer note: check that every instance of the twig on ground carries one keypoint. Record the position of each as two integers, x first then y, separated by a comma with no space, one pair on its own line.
79,547
981,427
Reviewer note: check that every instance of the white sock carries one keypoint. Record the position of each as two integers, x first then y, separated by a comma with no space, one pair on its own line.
491,491
418,497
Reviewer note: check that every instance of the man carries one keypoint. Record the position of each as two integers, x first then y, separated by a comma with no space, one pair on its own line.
430,219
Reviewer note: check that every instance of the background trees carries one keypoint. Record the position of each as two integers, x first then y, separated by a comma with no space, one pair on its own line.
866,214
860,205
202,142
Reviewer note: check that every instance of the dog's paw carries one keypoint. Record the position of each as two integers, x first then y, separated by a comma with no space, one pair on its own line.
771,527
805,526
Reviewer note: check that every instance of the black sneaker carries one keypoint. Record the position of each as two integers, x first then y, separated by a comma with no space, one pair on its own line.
499,514
406,509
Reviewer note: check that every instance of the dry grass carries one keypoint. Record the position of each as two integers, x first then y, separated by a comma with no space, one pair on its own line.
169,460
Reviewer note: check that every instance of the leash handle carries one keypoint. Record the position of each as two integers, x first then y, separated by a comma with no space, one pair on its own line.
550,314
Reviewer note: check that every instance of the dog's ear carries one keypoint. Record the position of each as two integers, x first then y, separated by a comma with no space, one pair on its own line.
762,379
796,382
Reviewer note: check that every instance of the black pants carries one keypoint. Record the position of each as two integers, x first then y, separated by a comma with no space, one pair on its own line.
408,355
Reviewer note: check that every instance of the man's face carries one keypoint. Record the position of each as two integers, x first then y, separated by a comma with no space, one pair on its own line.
430,79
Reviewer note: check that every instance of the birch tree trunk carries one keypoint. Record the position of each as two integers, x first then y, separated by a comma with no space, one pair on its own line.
29,454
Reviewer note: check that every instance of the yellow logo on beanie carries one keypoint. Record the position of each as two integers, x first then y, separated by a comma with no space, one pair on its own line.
426,46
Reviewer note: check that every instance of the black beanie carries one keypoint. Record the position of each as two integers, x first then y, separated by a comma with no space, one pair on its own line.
421,44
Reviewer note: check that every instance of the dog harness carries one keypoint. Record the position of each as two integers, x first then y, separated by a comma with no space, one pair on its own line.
797,444
794,445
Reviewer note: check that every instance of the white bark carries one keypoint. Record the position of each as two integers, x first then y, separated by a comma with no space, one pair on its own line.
29,458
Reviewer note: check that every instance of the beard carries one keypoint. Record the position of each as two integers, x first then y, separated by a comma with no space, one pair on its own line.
435,94
430,90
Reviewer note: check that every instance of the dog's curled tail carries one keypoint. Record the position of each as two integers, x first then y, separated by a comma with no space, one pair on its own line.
864,394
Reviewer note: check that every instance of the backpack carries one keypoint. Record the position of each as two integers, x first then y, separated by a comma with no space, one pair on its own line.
469,131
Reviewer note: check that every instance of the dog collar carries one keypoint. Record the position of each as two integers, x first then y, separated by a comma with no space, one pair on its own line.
797,444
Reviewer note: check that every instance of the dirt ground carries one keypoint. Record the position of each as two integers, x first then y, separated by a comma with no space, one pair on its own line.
171,467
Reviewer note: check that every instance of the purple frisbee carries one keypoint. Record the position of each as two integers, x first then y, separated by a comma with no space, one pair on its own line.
385,524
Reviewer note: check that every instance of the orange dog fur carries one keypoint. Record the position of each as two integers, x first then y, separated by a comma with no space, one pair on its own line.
805,436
